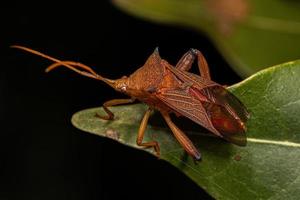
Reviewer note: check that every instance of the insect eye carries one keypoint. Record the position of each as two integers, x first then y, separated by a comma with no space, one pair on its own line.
123,88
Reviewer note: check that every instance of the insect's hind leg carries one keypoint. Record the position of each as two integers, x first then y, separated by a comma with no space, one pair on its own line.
113,102
143,126
185,142
186,62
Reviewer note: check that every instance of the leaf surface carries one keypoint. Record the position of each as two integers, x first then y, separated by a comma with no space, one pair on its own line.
267,168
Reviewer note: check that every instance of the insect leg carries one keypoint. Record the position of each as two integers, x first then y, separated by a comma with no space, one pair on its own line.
202,64
185,142
186,61
143,126
113,102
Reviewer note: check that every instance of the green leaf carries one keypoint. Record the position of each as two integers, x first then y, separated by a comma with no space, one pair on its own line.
267,168
262,34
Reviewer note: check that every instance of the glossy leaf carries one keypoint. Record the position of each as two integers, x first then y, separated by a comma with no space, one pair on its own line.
251,34
267,168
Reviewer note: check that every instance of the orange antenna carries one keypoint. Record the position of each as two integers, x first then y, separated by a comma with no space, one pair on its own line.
74,66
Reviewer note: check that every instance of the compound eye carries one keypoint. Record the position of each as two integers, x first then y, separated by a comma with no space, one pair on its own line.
123,88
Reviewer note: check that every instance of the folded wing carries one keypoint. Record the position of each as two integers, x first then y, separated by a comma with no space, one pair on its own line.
185,104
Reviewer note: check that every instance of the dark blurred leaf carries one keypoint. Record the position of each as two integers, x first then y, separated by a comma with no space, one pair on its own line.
251,34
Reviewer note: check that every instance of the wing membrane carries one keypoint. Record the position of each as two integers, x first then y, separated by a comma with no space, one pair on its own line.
219,95
229,127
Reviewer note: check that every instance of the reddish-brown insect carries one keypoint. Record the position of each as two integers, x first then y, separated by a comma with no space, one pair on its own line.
170,89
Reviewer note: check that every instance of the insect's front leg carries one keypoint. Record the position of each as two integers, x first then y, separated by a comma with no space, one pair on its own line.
186,62
185,142
114,102
141,133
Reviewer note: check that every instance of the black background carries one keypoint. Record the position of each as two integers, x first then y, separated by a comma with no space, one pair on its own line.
42,155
